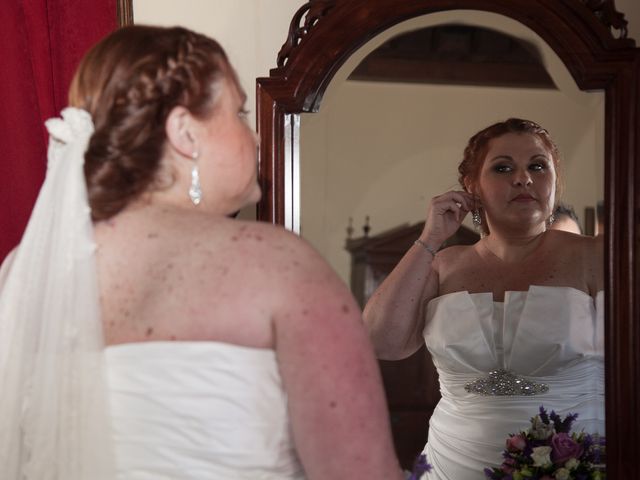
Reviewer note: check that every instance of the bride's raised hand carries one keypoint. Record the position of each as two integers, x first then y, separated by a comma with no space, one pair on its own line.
445,214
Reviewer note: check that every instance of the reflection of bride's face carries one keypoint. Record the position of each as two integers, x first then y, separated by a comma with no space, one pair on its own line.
517,180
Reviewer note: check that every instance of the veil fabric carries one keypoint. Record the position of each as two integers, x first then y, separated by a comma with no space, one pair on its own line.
54,422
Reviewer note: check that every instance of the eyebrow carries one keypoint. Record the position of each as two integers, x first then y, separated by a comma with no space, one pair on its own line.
500,157
509,157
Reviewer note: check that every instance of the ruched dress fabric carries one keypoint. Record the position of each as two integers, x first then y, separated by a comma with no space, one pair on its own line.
549,335
199,410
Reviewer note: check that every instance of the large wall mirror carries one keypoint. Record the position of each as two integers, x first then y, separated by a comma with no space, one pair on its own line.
388,135
342,139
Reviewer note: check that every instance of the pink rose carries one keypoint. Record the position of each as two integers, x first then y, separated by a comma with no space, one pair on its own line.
564,448
516,443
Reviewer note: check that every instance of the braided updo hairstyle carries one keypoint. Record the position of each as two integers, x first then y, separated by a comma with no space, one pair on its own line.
129,83
478,146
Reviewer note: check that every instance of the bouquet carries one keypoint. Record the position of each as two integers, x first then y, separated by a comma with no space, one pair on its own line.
548,450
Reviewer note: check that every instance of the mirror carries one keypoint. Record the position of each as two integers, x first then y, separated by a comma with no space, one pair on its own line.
590,40
356,163
383,143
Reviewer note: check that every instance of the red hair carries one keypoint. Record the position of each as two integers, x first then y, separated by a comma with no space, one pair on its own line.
478,146
129,83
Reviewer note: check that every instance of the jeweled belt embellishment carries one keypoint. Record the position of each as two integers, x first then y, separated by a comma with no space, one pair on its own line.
504,382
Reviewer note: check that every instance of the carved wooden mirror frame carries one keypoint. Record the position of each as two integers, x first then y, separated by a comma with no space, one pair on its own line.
590,38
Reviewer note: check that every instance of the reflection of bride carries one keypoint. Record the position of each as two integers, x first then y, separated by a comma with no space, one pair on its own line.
232,350
512,322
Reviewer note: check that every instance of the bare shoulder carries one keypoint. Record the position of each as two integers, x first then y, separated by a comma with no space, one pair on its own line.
286,264
593,257
309,289
274,245
584,252
586,246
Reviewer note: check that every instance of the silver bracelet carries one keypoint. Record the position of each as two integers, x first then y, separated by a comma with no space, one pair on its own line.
425,246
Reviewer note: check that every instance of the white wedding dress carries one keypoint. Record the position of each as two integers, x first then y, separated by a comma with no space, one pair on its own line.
198,410
551,336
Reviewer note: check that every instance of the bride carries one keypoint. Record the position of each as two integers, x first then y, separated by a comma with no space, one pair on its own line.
146,334
512,322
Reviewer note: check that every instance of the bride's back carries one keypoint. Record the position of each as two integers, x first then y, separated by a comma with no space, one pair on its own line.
171,158
172,275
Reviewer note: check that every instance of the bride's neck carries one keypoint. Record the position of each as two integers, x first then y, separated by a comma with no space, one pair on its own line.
512,248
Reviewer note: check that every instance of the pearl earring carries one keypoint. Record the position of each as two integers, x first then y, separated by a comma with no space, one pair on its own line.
195,191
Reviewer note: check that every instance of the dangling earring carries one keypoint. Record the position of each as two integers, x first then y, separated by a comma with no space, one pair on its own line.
476,218
550,220
195,192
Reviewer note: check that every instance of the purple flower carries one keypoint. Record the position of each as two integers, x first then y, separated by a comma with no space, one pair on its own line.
564,448
420,467
543,415
560,425
489,474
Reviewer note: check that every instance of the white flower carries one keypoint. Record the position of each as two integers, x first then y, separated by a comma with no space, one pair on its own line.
539,429
541,456
562,474
571,463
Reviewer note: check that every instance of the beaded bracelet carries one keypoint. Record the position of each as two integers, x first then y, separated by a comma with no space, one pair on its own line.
425,246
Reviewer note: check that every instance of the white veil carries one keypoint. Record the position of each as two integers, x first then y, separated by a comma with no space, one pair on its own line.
54,421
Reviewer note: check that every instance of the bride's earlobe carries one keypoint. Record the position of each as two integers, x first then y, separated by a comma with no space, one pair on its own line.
179,136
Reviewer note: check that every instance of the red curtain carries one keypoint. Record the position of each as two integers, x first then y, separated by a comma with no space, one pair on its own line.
41,44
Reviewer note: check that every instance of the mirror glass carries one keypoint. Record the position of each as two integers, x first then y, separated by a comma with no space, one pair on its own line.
382,149
378,151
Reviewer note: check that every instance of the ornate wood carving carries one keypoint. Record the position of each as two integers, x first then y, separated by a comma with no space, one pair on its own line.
595,58
125,12
606,12
303,21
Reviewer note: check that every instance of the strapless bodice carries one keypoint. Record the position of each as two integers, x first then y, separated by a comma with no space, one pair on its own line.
550,336
537,332
199,410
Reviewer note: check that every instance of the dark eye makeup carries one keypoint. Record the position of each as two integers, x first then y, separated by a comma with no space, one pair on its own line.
502,168
537,164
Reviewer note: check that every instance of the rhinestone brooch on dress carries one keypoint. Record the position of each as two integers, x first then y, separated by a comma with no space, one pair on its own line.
504,382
